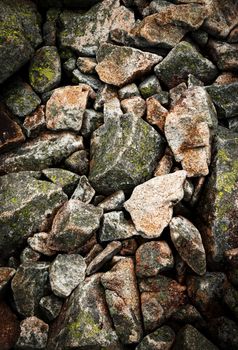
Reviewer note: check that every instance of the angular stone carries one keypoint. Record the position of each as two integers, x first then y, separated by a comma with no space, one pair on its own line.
69,66
116,227
50,306
189,128
150,86
83,32
183,60
160,298
86,64
151,203
28,255
35,122
224,55
103,257
113,202
153,258
224,98
190,338
176,93
156,113
62,178
122,297
188,242
226,78
187,314
20,34
73,225
38,242
161,339
28,286
6,274
105,94
78,162
134,105
96,249
10,132
91,121
165,164
123,152
20,98
50,26
129,247
84,320
84,191
66,107
90,80
27,206
66,272
44,151
218,207
33,335
128,91
9,327
120,65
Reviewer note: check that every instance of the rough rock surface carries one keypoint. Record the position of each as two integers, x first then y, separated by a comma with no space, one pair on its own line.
9,327
161,339
139,147
151,203
33,335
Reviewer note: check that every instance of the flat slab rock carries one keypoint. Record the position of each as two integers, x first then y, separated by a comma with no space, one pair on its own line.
151,203
120,65
124,152
27,206
44,151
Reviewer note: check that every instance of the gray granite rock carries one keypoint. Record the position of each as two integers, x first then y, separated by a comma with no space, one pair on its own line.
84,191
50,306
183,60
28,255
44,151
224,55
67,271
78,162
88,79
150,86
33,335
28,286
128,91
161,339
91,121
62,178
140,147
113,202
34,123
39,243
86,64
134,105
27,206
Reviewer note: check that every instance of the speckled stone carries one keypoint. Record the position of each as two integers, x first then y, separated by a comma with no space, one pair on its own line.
62,178
33,335
84,191
161,339
6,274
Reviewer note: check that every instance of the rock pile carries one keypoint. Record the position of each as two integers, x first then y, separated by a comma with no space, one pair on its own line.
118,174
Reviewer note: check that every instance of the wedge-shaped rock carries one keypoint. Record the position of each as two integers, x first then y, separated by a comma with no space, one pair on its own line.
161,339
120,65
84,320
27,206
218,206
188,242
122,297
124,153
188,129
84,31
183,60
151,203
44,151
224,55
66,107
73,225
62,178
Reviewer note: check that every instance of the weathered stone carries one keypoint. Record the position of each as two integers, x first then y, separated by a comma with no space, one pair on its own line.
38,242
151,203
188,314
9,327
33,335
73,225
129,247
153,258
156,113
190,338
165,164
69,66
10,132
19,35
45,69
193,81
128,91
66,106
122,297
224,55
118,65
188,242
123,152
84,191
86,64
134,105
160,298
49,29
105,94
218,206
91,121
206,292
28,286
28,255
176,93
197,190
83,32
200,37
20,98
161,339
233,124
224,332
150,86
84,320
96,249
224,98
226,78
27,206
6,274
188,190
83,78
50,306
44,151
35,122
113,202
66,272
103,257
116,227
189,128
62,178
181,61
78,162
